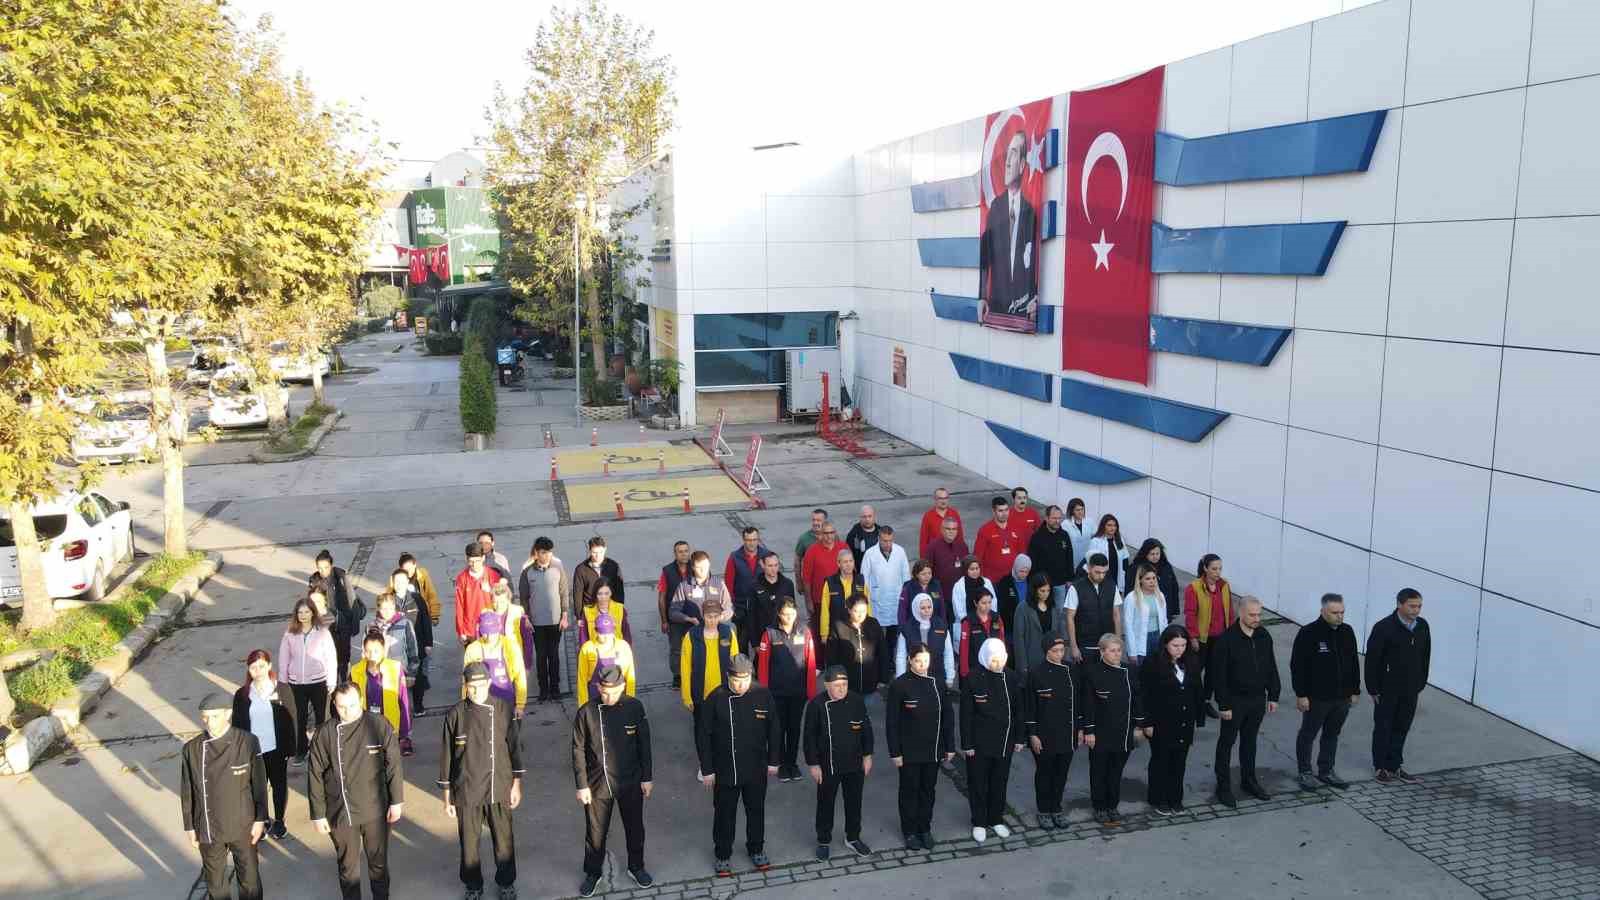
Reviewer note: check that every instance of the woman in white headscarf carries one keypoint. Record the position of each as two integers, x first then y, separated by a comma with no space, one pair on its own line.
991,731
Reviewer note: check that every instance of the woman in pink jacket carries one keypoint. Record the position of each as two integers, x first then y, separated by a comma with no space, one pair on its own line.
308,663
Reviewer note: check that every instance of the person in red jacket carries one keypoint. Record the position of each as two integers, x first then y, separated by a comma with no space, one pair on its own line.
786,664
1024,518
474,593
821,563
933,521
979,625
998,543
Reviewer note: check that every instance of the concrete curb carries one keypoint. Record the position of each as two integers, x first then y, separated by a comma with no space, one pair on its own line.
33,741
312,443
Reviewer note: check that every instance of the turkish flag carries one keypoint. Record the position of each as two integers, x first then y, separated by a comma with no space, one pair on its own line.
418,269
1008,255
1111,150
441,262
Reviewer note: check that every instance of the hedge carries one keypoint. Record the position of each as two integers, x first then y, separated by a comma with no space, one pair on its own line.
477,388
445,344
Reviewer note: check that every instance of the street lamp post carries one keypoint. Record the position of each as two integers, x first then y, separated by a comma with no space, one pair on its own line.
578,206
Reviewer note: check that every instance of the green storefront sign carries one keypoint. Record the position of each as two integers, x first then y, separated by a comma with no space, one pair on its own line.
462,218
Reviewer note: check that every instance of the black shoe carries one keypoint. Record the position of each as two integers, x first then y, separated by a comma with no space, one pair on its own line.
472,894
1386,777
790,774
1200,722
641,877
1163,811
760,862
277,830
859,847
1405,776
1100,816
1047,821
912,843
1333,781
591,883
508,893
1225,797
1211,712
927,840
723,868
1307,781
824,851
1113,819
1254,789
1179,809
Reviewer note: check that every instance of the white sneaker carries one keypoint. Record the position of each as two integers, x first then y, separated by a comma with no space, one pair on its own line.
1002,831
979,835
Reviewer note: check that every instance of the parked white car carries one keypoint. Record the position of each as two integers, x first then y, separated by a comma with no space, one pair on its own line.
210,355
84,537
233,403
296,368
119,431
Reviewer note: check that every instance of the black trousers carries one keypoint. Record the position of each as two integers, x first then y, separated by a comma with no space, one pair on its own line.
597,824
277,765
725,800
675,633
1244,726
790,711
1207,689
1391,720
917,783
246,867
547,658
853,783
1165,773
1105,777
350,844
1326,717
891,637
987,777
1050,780
341,653
469,824
309,708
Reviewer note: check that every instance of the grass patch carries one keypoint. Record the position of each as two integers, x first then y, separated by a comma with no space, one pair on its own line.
82,637
299,434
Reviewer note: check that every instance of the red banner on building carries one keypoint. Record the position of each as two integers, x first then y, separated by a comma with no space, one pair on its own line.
1012,184
1111,148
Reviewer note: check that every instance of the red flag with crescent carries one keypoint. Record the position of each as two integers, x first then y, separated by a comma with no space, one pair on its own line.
1111,149
1011,182
441,262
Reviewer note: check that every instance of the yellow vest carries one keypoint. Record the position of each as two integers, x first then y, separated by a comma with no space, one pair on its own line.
1202,608
589,658
513,661
392,677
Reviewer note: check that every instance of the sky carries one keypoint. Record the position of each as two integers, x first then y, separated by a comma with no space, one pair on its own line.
833,74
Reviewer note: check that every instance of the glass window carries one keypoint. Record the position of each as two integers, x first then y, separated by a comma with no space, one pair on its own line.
46,527
106,506
808,329
736,331
738,367
89,511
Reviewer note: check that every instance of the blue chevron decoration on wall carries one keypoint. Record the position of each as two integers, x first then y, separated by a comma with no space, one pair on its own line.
1245,249
1322,147
965,309
948,253
951,193
1022,382
1252,345
1081,467
1032,450
1157,414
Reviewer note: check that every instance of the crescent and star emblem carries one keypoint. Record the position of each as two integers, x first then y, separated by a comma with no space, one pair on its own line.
1105,144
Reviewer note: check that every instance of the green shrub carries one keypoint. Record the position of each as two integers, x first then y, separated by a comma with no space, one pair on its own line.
477,390
381,302
438,344
378,324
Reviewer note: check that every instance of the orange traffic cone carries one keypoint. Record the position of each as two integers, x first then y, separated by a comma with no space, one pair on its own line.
686,501
594,436
552,468
661,462
616,497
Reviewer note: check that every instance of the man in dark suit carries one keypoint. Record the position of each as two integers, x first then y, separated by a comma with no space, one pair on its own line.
1010,251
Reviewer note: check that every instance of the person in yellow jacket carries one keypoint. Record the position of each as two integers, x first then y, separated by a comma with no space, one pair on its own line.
838,591
514,622
706,654
604,604
602,650
508,680
419,576
382,683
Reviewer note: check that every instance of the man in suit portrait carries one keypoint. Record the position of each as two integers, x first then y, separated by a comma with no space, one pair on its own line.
1010,252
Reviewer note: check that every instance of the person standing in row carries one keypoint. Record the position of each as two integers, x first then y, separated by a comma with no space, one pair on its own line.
258,709
743,570
695,591
1051,550
543,588
1326,677
1036,619
921,582
427,593
919,727
411,604
766,599
474,593
480,770
1144,614
493,558
819,518
1112,717
1107,541
837,734
601,652
673,574
1050,719
997,543
1075,528
223,795
344,605
399,635
1024,518
707,653
356,791
593,572
933,521
863,535
1012,591
1247,688
886,570
991,731
1093,609
515,624
737,736
611,765
310,666
1398,652
977,630
968,587
603,604
856,645
948,555
1153,553
821,563
838,590
382,685
1169,684
786,663
926,628
498,655
1207,611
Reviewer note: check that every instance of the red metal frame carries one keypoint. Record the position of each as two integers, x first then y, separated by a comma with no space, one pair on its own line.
844,433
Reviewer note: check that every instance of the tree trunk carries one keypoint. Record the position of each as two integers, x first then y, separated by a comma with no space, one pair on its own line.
171,421
38,611
277,400
317,396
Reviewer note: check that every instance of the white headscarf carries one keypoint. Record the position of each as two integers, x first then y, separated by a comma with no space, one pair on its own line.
991,648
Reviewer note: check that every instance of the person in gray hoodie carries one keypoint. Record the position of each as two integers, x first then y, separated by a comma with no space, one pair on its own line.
542,587
1036,616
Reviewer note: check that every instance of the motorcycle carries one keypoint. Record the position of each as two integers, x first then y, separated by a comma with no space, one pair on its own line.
508,362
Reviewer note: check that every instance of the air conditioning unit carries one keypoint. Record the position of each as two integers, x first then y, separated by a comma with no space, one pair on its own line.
803,379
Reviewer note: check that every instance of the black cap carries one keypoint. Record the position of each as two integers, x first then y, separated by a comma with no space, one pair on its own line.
611,676
475,671
474,549
216,700
835,673
740,665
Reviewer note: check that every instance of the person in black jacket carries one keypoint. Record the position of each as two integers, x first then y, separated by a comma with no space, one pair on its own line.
1244,674
991,731
1050,716
344,604
919,725
258,709
1050,548
588,575
1112,717
356,790
1326,677
837,735
771,588
1153,553
480,769
739,744
1169,686
855,644
611,768
223,792
1398,651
